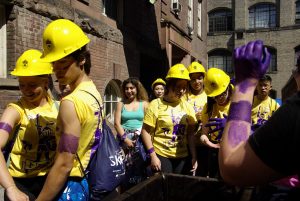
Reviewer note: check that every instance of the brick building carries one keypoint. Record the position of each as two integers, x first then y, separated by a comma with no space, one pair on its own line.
140,38
232,23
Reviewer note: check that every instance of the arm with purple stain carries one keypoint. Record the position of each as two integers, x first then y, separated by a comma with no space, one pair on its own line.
238,163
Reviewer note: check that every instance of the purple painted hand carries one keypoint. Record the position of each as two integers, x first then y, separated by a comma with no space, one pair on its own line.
219,124
251,61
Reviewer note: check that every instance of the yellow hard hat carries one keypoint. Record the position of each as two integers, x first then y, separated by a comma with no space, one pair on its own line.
29,64
60,38
158,81
216,82
178,71
196,67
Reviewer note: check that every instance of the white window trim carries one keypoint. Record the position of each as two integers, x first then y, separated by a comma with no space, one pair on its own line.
173,1
110,101
190,14
199,19
103,8
3,41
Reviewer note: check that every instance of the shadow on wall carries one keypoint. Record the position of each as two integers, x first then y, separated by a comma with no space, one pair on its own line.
144,57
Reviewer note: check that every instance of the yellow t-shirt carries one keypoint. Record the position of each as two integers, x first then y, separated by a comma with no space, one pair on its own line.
35,145
87,110
263,109
170,121
217,112
196,101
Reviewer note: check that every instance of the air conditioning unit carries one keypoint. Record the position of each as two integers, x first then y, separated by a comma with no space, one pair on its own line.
176,7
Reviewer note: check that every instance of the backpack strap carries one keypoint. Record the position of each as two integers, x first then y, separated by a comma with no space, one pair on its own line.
100,108
99,116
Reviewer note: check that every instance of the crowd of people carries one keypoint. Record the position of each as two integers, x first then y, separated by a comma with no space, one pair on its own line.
196,122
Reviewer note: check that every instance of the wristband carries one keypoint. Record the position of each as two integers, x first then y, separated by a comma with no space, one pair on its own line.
151,150
122,137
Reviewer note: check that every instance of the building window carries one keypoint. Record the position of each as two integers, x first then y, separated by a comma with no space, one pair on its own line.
273,64
199,13
297,12
111,97
297,53
190,14
220,21
3,70
110,8
220,59
262,16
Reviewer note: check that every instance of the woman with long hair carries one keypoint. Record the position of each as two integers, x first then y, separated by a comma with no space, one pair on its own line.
129,117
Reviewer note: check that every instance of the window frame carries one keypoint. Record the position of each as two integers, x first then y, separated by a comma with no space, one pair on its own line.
3,43
225,55
214,18
297,53
190,16
113,103
297,12
199,18
253,24
111,12
273,63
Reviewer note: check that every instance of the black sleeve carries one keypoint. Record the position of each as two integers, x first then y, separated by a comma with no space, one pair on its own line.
277,142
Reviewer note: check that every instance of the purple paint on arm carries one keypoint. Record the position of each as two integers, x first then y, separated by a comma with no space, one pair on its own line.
237,133
68,143
240,111
6,127
243,86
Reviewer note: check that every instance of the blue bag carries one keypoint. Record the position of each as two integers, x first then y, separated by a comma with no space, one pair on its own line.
106,169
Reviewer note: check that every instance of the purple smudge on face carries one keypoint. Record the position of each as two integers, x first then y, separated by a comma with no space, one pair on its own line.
68,143
237,133
240,111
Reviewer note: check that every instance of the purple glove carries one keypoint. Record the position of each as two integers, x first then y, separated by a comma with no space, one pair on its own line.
219,124
251,61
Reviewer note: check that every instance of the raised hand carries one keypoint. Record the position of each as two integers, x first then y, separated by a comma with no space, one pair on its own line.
251,61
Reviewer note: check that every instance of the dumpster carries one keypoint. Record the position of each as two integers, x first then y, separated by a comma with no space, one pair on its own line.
174,187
